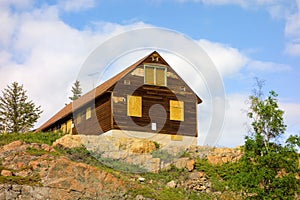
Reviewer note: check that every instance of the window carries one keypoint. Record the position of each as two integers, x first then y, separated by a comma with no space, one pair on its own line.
78,118
134,106
155,75
176,110
88,113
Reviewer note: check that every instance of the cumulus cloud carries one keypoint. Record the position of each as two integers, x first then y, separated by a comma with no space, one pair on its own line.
42,52
291,116
78,5
292,31
278,9
236,123
227,59
255,65
45,54
242,3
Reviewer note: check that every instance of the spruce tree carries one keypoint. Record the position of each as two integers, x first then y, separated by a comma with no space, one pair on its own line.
76,91
17,113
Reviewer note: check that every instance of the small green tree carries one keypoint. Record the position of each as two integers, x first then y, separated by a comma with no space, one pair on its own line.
76,91
268,168
17,114
267,119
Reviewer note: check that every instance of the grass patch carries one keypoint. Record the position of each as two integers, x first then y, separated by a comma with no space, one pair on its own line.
164,177
121,165
40,137
163,155
81,154
36,152
164,193
33,180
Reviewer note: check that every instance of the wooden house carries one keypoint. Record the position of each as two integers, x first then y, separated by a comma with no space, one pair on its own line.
148,96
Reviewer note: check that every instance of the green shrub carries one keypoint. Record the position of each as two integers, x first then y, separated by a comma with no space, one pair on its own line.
157,145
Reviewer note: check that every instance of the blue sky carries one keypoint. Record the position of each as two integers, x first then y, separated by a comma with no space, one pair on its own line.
49,41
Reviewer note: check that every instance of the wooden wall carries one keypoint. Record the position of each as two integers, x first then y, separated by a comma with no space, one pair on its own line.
101,119
133,84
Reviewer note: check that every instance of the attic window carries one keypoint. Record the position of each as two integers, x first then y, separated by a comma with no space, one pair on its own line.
155,75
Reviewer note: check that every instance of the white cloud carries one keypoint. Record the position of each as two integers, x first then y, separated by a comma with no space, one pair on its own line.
17,4
292,31
237,125
293,22
8,23
228,60
255,65
242,3
78,5
42,52
291,116
236,122
293,48
278,9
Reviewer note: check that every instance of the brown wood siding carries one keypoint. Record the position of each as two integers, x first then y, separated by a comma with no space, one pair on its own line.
100,120
176,90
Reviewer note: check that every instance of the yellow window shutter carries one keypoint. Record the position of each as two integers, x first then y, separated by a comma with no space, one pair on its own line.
78,118
88,113
69,126
149,75
134,106
160,76
176,110
63,128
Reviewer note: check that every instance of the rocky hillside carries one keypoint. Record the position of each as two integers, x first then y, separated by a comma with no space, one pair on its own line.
141,170
37,171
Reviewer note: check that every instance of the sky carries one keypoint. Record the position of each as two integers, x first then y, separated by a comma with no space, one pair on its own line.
43,45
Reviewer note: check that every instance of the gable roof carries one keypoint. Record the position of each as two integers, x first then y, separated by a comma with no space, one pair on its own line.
96,92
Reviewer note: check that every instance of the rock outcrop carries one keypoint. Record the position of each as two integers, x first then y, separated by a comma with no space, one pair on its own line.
57,177
135,151
47,174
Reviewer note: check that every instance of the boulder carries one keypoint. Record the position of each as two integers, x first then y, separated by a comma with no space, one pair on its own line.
5,172
190,164
69,141
180,163
171,184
